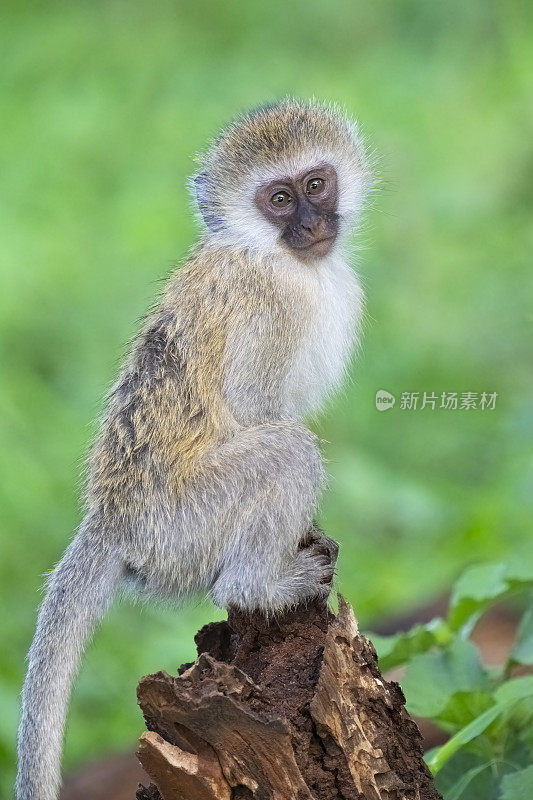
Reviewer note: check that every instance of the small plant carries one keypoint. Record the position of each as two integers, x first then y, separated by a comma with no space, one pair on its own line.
487,711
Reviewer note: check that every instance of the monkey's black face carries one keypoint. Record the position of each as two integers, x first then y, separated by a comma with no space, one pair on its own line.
305,210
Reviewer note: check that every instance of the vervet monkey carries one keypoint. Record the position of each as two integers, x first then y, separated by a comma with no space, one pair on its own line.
203,476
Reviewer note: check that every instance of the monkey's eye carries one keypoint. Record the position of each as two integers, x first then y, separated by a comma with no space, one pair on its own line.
281,199
315,186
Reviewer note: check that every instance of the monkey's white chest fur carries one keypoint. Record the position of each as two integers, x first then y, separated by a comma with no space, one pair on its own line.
290,355
320,362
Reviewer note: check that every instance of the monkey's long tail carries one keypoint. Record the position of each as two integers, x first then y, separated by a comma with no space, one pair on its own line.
79,591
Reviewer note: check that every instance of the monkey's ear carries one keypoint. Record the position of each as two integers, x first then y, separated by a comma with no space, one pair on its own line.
200,187
202,190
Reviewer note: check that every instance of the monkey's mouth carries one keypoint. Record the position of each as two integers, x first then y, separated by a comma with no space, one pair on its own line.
317,247
317,243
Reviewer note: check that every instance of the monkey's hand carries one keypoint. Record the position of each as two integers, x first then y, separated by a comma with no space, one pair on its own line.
316,536
318,552
321,545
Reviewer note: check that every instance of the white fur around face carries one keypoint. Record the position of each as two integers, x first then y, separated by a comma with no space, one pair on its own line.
289,355
246,227
320,364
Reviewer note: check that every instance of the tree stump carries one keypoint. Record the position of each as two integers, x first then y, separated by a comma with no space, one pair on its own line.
292,708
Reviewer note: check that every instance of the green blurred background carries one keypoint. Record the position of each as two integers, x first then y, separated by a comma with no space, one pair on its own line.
103,107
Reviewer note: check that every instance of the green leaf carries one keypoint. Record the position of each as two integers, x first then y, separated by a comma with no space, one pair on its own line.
463,707
518,785
523,649
506,696
433,678
465,735
519,721
396,650
514,689
483,784
481,585
457,790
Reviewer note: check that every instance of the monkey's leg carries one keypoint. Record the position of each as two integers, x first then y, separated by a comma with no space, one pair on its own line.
79,591
262,487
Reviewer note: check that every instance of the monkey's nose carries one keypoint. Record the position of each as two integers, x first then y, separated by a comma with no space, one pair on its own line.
316,227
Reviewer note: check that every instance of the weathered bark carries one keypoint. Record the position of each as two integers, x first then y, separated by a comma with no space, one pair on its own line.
288,709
